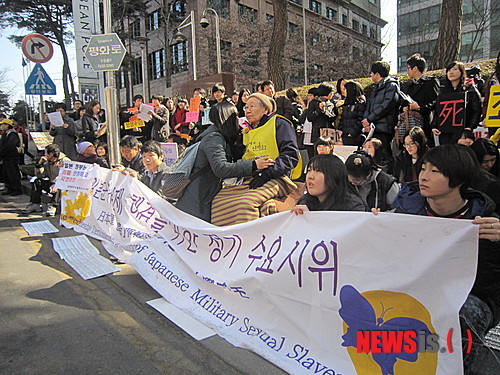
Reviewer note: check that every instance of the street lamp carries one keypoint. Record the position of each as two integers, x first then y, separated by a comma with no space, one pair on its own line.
143,42
179,37
204,23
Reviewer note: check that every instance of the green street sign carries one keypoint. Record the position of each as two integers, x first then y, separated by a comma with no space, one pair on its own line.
105,52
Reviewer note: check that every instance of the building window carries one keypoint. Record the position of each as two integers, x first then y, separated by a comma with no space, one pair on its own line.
297,70
122,78
179,9
373,1
315,39
292,28
137,79
153,21
355,25
344,19
298,2
365,29
315,6
372,33
331,14
179,57
247,13
157,64
269,19
317,67
221,6
356,52
135,29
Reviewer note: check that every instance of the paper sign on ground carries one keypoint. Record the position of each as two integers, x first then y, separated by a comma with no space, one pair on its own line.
75,245
89,266
39,227
184,321
55,118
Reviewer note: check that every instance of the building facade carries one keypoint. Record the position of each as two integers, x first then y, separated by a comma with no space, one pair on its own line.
342,39
418,28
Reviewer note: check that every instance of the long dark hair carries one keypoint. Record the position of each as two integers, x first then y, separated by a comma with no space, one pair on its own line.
240,104
483,147
354,92
224,116
335,180
405,163
90,107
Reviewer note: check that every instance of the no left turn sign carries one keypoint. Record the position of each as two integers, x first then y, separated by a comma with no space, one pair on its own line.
37,48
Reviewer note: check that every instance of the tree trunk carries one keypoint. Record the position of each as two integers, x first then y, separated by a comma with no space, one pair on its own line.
275,55
447,48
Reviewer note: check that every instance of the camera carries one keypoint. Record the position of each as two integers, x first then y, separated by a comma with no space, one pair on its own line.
204,22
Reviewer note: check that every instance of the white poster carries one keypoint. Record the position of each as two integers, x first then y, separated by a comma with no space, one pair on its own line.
305,292
76,176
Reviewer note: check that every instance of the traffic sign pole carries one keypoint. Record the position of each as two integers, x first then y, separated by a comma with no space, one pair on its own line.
111,99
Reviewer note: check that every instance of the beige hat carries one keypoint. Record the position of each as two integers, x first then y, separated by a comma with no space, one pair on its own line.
266,101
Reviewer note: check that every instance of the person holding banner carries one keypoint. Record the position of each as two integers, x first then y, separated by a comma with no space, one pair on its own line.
328,188
458,105
442,191
216,161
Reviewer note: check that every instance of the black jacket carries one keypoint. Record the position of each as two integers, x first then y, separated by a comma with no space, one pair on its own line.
424,91
382,108
8,146
89,127
350,122
472,108
319,119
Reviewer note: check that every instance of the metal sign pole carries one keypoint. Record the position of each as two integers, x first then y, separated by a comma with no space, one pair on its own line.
111,100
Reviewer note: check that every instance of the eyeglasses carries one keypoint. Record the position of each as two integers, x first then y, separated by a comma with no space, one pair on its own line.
250,107
411,144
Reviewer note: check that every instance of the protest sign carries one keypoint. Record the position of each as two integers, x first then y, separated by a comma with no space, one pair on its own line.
41,139
450,109
344,151
75,176
492,118
297,290
55,118
171,152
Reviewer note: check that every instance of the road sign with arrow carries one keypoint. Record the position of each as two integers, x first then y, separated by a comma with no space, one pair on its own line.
37,48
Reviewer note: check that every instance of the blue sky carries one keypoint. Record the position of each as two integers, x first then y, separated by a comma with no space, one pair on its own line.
14,79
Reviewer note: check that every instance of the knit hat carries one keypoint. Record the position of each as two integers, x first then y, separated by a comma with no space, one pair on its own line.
82,146
266,101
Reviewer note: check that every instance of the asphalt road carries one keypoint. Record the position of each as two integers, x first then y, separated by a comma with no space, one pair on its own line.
54,322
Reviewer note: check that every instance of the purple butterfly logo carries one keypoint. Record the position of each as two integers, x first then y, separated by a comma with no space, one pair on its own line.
359,315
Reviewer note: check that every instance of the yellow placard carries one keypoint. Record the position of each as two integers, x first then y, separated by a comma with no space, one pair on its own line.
492,118
134,124
41,139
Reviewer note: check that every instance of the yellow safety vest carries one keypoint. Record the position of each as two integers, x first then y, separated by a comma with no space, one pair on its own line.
261,142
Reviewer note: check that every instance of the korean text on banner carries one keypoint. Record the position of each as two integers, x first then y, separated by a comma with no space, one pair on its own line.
294,288
75,176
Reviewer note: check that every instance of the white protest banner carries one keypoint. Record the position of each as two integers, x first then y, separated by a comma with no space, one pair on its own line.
344,151
75,176
171,152
301,291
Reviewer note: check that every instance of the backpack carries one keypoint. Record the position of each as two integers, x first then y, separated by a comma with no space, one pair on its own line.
179,176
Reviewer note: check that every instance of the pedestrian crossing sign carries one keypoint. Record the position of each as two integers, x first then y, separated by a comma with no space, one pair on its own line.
39,82
492,118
